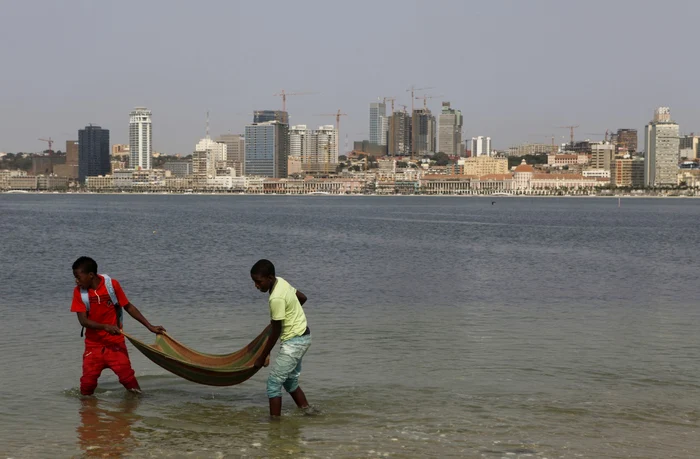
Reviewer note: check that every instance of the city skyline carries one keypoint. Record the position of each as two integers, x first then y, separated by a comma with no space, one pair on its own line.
526,92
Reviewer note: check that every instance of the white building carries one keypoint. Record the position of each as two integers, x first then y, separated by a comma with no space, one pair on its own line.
208,155
378,123
314,146
661,157
140,138
481,146
217,149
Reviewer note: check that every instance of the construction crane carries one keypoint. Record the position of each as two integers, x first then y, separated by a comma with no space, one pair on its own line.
50,142
425,100
285,94
572,132
607,131
413,90
404,107
337,118
392,99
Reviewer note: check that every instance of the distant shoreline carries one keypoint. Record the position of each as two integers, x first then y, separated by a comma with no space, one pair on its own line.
62,193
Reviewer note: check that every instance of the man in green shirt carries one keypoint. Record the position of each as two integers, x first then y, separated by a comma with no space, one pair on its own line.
289,325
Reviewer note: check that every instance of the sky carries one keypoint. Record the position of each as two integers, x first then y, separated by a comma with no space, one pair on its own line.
517,69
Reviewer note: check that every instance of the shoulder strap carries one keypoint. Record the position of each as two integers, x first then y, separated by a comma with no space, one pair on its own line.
86,301
110,288
113,297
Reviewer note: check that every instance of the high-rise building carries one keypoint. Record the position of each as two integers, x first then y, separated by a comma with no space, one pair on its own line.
93,152
481,146
602,156
422,132
626,140
450,130
316,149
71,167
400,134
689,146
378,123
140,139
207,157
661,157
267,149
263,116
627,173
235,151
71,152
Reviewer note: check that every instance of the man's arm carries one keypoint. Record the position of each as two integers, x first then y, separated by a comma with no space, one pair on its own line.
301,297
87,323
136,314
274,336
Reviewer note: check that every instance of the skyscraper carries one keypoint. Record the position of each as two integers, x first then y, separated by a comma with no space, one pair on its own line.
235,151
627,140
400,134
422,132
450,130
481,146
267,149
661,142
71,152
378,123
263,116
140,138
93,152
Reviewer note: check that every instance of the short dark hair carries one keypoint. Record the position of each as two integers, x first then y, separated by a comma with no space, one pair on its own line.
86,265
263,268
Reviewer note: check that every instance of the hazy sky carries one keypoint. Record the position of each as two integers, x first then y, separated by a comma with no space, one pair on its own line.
517,69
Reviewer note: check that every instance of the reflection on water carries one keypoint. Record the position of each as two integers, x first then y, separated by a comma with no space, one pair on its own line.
105,428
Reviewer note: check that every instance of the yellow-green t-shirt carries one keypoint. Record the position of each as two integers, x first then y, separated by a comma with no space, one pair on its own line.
285,306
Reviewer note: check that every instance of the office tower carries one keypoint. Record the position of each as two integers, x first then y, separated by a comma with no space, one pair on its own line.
602,156
140,139
93,152
267,149
450,130
661,142
235,151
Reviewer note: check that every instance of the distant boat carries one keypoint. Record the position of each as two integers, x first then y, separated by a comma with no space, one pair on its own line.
319,193
17,191
501,194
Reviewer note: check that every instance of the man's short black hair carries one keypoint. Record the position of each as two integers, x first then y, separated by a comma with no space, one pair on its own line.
263,268
86,265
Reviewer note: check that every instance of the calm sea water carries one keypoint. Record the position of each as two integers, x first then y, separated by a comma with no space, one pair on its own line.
443,327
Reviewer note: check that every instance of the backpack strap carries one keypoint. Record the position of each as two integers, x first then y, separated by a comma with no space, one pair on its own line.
115,300
112,296
86,301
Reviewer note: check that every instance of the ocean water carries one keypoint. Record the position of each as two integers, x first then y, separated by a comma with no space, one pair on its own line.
442,327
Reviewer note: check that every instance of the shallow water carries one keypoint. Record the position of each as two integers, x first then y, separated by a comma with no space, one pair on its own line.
443,327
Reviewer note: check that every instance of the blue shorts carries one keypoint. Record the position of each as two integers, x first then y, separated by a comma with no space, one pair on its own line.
287,368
